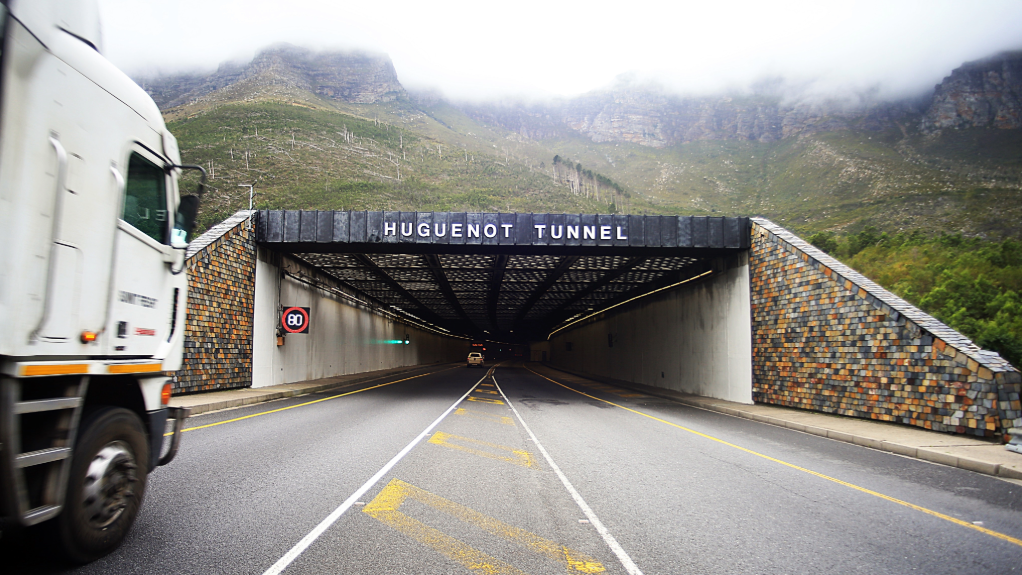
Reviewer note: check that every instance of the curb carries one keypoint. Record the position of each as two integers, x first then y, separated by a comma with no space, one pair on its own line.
922,453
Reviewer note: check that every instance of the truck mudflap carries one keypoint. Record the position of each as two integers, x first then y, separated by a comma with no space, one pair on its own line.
158,422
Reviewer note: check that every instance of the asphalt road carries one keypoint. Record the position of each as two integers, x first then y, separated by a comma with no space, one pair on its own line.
515,473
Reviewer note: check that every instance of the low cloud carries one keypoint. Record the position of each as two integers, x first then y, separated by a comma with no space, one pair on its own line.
476,51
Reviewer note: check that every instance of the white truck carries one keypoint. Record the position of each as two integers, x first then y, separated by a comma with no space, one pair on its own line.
93,233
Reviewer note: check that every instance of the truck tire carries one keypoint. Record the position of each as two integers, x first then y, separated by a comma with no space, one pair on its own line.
106,484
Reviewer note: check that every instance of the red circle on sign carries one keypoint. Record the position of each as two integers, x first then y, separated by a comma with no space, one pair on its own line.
302,327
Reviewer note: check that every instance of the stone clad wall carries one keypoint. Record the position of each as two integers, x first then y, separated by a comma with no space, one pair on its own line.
221,293
826,338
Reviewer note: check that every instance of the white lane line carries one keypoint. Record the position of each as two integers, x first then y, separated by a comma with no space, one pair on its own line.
619,551
302,545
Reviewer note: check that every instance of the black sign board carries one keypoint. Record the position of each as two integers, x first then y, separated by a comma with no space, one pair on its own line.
501,229
295,320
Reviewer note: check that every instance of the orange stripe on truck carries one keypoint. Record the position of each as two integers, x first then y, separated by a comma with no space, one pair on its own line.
135,368
63,369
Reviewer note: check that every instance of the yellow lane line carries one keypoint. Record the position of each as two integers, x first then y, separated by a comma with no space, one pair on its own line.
485,416
931,512
614,390
385,508
485,400
518,457
307,402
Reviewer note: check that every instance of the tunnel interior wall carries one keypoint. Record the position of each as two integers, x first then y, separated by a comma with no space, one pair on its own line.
695,338
828,339
345,335
218,326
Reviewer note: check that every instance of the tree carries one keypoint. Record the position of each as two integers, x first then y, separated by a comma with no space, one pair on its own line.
825,241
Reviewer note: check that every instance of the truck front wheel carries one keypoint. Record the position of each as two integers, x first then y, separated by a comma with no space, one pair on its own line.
106,485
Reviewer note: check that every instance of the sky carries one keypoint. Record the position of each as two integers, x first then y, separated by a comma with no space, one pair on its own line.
474,50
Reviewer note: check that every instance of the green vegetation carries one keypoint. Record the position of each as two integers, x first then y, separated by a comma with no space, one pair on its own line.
972,285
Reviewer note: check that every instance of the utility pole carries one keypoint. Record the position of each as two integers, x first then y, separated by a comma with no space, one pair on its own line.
251,192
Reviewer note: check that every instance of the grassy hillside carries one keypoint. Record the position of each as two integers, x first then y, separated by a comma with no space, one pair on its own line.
839,181
306,152
300,157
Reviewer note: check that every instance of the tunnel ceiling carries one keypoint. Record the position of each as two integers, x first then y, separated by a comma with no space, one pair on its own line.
505,276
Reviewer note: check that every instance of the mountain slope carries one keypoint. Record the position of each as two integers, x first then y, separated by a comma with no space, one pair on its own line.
337,131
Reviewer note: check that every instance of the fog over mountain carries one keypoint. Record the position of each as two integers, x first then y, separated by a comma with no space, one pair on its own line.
476,51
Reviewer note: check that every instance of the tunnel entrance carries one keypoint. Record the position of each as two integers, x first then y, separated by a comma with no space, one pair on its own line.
512,277
732,308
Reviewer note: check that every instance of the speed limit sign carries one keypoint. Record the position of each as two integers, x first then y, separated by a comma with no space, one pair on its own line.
295,320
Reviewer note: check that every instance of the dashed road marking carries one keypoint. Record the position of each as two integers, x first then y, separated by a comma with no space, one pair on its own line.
502,419
385,507
485,400
517,456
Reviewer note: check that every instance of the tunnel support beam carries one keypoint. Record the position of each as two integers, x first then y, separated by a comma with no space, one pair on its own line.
496,279
445,286
392,283
551,278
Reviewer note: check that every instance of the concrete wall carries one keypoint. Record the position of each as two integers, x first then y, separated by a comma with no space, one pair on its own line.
345,336
828,339
695,338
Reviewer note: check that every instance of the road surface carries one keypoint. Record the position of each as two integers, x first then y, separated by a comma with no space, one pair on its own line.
455,470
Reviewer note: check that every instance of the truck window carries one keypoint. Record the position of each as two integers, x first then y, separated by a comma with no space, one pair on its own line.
145,198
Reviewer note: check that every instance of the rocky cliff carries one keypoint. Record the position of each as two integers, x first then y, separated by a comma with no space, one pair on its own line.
982,94
355,77
985,93
655,118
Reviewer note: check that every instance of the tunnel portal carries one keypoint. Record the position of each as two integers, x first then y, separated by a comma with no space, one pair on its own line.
738,309
512,276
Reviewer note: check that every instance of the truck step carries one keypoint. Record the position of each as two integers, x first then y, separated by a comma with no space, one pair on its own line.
40,514
41,456
47,404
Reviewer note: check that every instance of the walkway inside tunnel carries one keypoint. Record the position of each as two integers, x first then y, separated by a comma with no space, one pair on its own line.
515,277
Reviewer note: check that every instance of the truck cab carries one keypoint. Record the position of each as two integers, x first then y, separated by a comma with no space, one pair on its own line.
93,231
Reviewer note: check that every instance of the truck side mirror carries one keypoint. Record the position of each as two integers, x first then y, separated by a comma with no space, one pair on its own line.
184,223
187,209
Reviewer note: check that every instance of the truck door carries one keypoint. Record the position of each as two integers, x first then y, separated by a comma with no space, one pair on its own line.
144,295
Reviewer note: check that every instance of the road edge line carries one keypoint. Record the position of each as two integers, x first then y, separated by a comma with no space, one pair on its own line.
919,453
937,514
